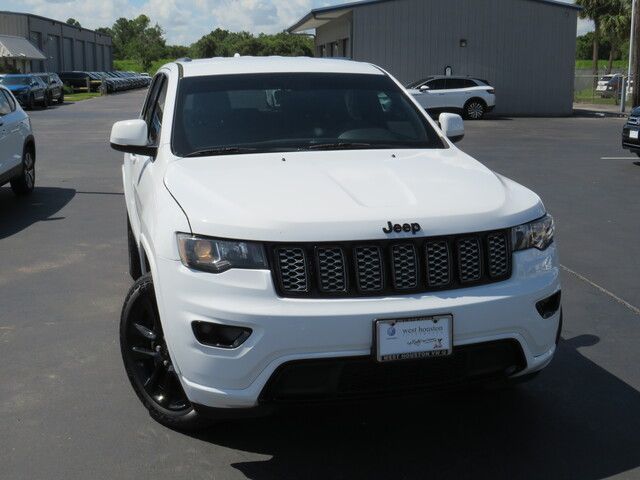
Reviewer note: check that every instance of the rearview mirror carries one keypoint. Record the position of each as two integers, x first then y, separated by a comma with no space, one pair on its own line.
452,126
132,136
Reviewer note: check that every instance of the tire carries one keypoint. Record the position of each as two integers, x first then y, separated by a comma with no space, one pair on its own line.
135,268
26,181
148,364
474,109
45,101
31,103
61,98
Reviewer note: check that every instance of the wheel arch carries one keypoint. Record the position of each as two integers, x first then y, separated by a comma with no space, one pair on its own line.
475,99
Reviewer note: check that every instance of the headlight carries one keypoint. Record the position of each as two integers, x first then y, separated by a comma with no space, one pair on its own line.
537,234
217,256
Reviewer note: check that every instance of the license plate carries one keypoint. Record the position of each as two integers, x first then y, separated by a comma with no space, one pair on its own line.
633,134
419,337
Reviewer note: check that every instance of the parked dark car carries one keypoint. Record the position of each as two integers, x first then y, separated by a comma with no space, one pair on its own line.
78,81
631,132
28,89
55,87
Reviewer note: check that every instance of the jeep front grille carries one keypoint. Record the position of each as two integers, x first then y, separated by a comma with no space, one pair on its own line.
391,267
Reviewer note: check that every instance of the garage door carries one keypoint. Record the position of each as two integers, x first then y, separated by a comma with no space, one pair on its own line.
53,52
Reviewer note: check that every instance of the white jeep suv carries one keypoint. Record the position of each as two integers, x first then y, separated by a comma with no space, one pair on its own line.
17,146
300,229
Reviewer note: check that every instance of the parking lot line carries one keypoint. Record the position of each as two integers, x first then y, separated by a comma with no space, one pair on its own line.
621,301
618,158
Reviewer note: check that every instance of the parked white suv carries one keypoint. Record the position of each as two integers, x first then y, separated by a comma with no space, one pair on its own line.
470,96
17,146
301,229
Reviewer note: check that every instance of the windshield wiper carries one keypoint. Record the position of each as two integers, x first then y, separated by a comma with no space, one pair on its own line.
220,151
340,146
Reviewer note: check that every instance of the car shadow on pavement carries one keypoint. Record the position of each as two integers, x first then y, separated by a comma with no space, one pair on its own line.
576,420
18,213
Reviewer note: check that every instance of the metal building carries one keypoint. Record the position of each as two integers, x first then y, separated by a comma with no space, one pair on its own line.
65,47
525,48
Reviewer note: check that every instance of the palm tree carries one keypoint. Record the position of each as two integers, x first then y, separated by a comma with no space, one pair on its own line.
596,10
616,27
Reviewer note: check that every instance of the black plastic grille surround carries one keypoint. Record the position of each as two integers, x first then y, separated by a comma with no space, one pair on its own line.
390,267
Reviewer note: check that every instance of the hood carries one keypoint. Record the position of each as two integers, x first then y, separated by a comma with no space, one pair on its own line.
17,88
346,195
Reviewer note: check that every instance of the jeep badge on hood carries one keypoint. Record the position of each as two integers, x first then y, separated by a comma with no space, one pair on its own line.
397,228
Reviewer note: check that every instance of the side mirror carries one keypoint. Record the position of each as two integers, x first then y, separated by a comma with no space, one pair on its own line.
132,136
424,88
452,126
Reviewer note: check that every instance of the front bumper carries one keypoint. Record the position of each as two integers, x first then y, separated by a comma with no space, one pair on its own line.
292,330
629,143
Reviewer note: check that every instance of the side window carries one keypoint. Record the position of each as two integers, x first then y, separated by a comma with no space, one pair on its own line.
10,99
438,84
151,96
155,121
5,107
455,83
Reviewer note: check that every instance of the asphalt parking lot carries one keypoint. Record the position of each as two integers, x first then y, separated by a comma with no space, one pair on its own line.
67,410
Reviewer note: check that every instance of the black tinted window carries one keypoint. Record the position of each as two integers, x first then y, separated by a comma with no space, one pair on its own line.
438,84
155,124
454,83
284,112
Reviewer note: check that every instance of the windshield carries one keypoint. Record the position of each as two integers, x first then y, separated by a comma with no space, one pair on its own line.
228,114
15,80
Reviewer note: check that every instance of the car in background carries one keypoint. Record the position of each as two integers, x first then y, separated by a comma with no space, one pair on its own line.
80,81
631,132
28,89
17,146
55,87
470,96
609,85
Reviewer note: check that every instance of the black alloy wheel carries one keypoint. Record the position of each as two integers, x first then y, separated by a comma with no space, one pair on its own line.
148,363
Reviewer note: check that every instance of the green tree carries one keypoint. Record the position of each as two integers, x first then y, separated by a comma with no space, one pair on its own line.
596,10
616,27
73,22
138,39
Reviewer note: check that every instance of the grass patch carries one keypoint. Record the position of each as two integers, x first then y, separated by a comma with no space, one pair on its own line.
79,96
129,65
602,64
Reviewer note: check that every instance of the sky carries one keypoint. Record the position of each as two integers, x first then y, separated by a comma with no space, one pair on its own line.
185,21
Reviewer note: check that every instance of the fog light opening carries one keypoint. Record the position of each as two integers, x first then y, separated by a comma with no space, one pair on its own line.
548,307
221,336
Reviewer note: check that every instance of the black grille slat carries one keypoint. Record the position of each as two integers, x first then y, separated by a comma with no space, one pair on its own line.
405,267
293,270
331,270
391,267
469,260
438,263
497,254
369,269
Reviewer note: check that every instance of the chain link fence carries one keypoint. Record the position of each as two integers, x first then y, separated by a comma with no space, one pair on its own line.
603,90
